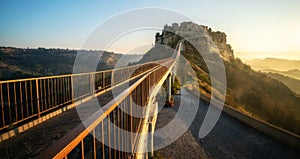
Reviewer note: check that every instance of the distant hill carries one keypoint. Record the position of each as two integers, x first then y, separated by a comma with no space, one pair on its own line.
249,91
157,52
295,73
290,68
16,63
293,84
274,64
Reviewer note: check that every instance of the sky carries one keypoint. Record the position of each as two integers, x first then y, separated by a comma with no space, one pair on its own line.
255,29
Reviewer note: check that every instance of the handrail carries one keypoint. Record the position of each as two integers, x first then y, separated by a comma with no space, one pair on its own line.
139,92
76,137
24,99
77,74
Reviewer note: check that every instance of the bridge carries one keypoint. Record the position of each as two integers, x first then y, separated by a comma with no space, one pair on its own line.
28,102
122,128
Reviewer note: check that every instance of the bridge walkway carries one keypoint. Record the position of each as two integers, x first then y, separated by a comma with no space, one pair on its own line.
229,139
30,143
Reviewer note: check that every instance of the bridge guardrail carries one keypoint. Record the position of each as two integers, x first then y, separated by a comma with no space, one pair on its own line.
26,99
82,141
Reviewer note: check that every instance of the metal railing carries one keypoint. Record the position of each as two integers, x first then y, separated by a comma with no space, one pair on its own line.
26,99
106,124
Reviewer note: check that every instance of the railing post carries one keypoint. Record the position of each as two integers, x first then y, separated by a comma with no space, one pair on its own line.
72,89
173,78
92,83
169,87
152,124
37,97
169,101
112,78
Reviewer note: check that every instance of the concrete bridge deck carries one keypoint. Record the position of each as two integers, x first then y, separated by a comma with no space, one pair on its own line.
30,143
65,126
229,139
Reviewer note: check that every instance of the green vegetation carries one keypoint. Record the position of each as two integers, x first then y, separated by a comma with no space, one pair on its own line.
175,85
254,93
156,155
292,83
23,63
17,63
294,73
262,96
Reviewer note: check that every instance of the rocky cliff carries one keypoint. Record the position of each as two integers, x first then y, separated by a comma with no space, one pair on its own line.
251,92
203,36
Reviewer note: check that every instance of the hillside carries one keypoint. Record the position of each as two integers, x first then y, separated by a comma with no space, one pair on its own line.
247,90
274,64
16,63
157,52
290,68
295,73
292,83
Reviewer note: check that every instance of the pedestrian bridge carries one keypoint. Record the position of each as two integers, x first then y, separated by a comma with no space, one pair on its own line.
119,129
118,112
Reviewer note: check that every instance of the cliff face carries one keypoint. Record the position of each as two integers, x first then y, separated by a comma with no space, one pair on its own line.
248,91
206,39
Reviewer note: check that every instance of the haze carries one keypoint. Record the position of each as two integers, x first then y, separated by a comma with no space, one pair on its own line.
255,29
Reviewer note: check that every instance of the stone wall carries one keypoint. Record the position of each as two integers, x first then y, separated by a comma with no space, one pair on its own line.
208,40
